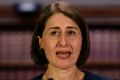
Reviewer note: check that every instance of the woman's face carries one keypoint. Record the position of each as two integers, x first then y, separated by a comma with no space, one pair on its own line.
61,41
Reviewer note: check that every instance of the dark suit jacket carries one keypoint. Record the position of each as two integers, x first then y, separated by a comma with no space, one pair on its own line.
88,76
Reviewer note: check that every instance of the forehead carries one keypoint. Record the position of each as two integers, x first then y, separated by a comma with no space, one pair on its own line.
60,20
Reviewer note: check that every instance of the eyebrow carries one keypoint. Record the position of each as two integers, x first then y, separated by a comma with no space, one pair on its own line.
54,27
69,27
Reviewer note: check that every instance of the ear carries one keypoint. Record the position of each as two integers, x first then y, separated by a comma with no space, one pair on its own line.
40,41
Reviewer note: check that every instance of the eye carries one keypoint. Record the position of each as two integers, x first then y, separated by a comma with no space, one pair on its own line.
71,33
54,33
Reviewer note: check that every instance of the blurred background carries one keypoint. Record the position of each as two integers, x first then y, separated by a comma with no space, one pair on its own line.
17,21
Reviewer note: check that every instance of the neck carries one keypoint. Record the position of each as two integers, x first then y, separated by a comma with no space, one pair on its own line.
72,73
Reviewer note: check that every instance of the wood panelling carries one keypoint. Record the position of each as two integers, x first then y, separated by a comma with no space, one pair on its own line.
101,11
100,15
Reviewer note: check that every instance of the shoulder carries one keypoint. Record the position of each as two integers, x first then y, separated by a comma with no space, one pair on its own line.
93,76
37,77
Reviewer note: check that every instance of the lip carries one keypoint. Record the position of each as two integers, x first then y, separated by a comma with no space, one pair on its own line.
63,54
64,51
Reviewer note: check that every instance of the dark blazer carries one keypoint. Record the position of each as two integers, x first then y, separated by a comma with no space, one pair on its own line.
88,76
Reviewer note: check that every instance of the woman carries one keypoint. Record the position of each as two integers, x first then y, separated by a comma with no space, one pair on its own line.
61,41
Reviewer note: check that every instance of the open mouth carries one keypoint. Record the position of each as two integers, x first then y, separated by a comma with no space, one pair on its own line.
63,54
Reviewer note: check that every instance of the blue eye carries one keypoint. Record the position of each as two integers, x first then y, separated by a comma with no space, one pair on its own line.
71,33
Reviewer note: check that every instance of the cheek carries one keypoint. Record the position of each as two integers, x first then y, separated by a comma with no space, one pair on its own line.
77,46
49,48
49,45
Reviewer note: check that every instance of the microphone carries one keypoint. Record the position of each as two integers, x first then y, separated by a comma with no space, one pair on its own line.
50,79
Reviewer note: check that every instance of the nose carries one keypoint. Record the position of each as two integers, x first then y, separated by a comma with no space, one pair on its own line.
63,41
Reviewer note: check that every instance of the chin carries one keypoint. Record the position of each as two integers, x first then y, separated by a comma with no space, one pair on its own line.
65,66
